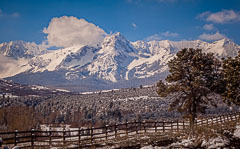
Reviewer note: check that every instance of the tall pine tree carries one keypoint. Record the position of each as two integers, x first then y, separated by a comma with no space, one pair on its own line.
231,79
194,75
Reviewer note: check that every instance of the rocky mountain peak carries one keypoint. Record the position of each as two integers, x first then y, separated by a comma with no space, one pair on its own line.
117,42
224,48
20,49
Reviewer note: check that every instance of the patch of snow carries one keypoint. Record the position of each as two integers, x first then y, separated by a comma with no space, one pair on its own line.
62,90
39,87
217,142
132,98
52,59
153,147
236,132
186,143
86,93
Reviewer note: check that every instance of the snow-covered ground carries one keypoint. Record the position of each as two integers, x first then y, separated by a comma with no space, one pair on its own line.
217,141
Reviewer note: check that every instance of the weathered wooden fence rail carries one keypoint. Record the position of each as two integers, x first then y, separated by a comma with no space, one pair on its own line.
91,135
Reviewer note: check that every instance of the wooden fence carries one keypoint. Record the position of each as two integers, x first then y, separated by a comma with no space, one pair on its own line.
81,137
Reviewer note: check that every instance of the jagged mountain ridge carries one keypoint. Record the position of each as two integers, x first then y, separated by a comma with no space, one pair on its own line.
20,49
115,61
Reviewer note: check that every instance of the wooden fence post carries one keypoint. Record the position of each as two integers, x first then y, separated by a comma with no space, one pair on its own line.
115,130
177,125
15,137
155,126
231,118
140,126
228,118
127,129
79,137
106,132
163,126
216,118
221,120
235,117
144,126
207,121
32,138
183,124
91,133
212,121
136,125
64,132
50,136
196,123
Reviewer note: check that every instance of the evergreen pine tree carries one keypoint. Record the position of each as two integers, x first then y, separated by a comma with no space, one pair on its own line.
231,79
194,76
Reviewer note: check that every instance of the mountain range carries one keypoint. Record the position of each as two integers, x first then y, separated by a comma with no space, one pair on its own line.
116,63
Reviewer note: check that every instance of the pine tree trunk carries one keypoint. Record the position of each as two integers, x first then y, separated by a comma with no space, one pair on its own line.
192,120
192,116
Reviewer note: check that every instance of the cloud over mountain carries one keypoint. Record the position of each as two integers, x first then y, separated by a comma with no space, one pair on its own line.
224,16
161,36
211,37
208,27
69,31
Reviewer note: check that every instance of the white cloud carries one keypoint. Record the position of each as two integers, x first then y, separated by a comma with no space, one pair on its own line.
69,31
15,14
153,37
211,37
204,14
224,16
134,25
208,27
162,36
168,34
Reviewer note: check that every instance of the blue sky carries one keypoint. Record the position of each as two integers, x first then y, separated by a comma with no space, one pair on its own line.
136,19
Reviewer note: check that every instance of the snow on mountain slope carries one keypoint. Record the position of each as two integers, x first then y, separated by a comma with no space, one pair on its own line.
115,60
11,67
156,54
15,55
52,60
223,48
21,49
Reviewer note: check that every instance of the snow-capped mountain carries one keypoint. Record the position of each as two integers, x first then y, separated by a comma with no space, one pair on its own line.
112,60
21,49
15,57
116,62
